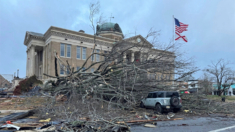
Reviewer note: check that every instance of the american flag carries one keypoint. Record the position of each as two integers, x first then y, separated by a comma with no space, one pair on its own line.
179,28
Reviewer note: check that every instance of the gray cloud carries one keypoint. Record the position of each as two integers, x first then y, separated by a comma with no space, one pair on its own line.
210,33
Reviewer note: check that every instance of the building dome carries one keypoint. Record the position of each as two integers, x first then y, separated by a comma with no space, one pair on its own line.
114,27
110,30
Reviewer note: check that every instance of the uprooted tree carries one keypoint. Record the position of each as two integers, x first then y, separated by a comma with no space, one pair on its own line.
121,79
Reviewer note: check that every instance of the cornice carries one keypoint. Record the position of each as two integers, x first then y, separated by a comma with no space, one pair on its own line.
136,44
80,38
35,38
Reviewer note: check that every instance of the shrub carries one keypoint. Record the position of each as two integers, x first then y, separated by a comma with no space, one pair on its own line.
26,84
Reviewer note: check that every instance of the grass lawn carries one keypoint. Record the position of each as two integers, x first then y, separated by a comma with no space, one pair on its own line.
216,97
21,103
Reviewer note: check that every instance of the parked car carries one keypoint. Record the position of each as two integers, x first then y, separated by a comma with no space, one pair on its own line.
162,100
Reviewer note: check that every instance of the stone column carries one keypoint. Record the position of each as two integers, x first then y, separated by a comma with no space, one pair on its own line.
27,62
132,56
43,62
32,60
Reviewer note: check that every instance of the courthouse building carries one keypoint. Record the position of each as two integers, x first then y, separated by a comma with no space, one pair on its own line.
76,46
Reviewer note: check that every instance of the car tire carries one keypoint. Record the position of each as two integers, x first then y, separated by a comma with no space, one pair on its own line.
158,108
142,105
174,101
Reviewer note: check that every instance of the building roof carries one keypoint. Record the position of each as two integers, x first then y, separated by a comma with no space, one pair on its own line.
7,77
108,27
36,34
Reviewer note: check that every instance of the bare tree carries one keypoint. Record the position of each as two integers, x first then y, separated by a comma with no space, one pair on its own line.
205,82
222,74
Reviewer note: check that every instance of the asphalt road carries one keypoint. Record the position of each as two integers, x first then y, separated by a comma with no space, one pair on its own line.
191,124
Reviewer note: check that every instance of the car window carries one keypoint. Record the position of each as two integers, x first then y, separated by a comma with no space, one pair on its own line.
160,94
170,94
150,95
154,95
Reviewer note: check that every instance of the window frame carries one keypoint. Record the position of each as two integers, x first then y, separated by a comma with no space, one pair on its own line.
83,53
62,72
68,46
79,52
61,49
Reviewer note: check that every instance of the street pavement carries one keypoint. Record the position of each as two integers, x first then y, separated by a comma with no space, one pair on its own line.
191,124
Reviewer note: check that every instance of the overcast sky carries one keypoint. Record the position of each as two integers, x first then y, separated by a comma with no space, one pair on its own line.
211,31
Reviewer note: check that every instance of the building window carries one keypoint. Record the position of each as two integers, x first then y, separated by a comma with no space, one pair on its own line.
97,55
92,57
92,69
78,67
68,50
84,53
83,69
61,70
68,71
62,49
78,52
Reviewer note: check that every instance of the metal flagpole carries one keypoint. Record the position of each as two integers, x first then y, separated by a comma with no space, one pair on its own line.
174,47
173,32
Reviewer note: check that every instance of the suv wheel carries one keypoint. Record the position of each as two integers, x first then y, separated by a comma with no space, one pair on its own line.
174,101
141,105
158,108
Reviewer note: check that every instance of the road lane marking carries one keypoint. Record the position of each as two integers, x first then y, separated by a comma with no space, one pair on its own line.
222,129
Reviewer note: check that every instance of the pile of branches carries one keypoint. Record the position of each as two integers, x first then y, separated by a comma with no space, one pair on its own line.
200,105
117,82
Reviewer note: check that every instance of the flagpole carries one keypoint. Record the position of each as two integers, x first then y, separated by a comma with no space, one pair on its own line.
174,48
173,32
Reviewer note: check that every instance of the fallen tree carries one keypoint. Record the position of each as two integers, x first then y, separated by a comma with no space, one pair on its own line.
119,81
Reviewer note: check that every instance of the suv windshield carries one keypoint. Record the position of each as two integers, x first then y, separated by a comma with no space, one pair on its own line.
160,94
170,94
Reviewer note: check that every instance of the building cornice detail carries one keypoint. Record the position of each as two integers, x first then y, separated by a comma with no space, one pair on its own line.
30,37
68,36
35,38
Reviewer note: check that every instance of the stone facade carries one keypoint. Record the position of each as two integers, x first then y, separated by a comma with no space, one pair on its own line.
42,47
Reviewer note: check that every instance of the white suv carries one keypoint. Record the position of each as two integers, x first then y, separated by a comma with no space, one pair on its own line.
162,100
